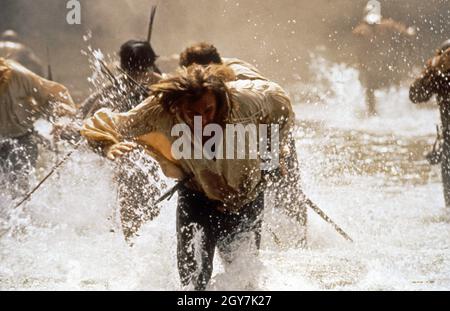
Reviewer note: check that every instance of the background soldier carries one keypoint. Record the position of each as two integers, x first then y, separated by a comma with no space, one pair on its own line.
12,48
435,79
137,64
381,44
24,98
206,54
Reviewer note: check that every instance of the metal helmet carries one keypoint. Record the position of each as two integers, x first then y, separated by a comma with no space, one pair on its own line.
372,12
9,35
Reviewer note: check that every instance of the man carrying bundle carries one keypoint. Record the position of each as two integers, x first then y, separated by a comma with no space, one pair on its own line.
221,203
287,200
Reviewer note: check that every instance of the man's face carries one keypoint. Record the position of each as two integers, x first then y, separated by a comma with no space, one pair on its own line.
205,107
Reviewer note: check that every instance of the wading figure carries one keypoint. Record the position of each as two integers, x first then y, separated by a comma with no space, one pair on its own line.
24,98
137,61
206,54
12,48
222,203
380,47
435,79
285,187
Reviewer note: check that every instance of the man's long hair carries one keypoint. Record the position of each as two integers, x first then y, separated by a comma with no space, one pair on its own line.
191,84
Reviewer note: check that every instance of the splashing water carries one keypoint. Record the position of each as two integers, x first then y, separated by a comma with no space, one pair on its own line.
368,174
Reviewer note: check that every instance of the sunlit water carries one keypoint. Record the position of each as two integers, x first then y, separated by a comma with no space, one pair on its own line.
368,174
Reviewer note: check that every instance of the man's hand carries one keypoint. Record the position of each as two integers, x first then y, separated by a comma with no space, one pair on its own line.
118,150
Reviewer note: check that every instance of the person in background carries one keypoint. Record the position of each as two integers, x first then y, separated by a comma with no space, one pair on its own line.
11,47
137,63
435,80
26,97
381,46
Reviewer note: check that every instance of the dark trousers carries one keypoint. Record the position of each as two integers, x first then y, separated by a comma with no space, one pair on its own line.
201,227
370,84
445,164
18,157
445,170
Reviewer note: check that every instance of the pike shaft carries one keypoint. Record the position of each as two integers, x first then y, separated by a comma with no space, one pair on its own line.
66,157
325,217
